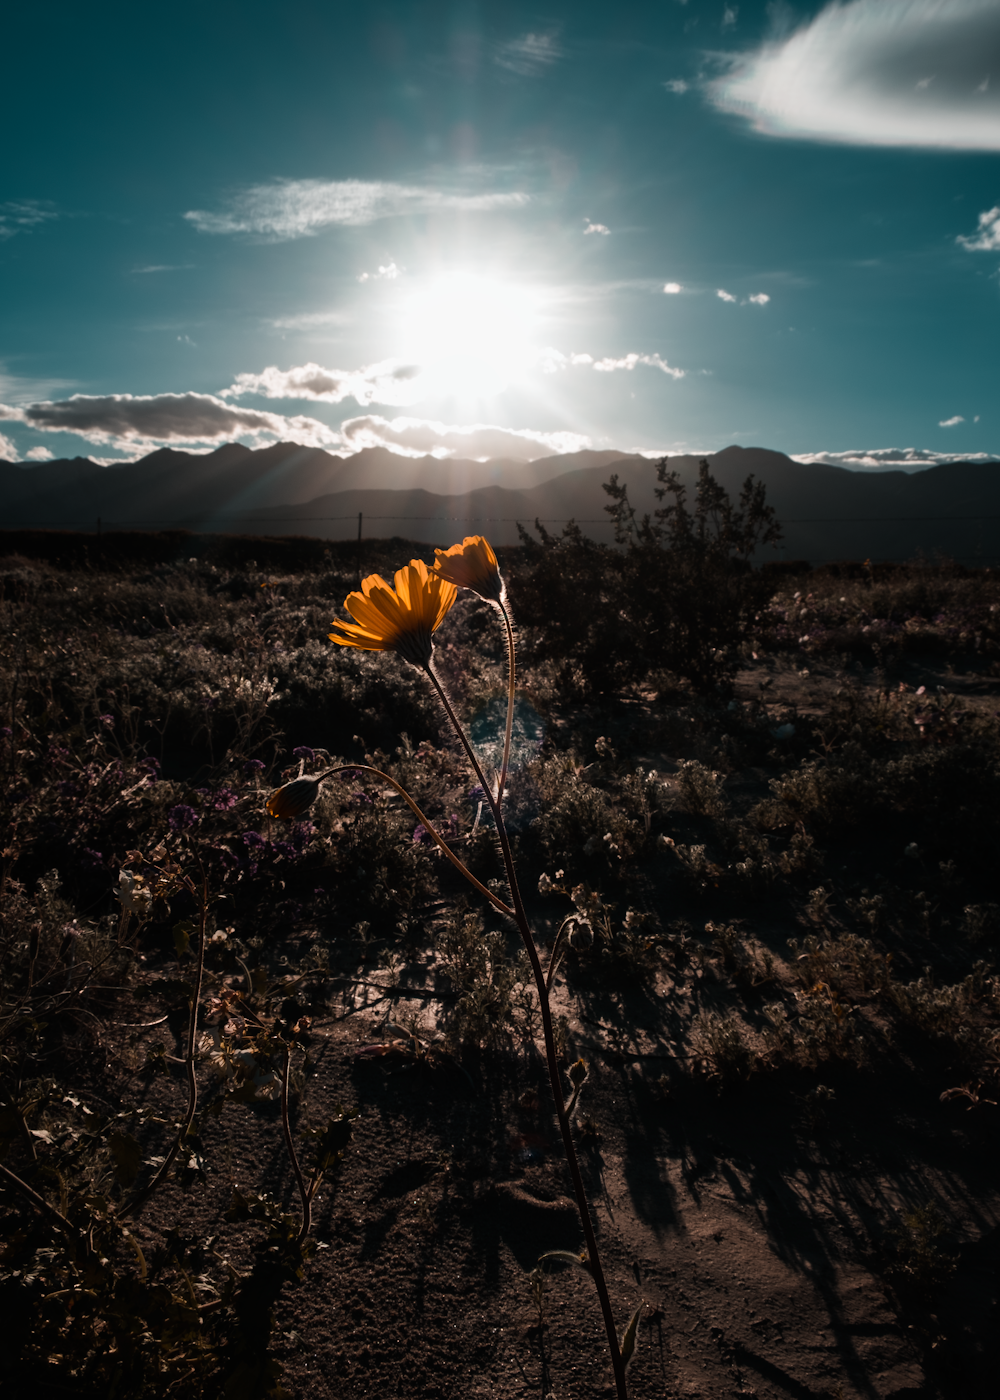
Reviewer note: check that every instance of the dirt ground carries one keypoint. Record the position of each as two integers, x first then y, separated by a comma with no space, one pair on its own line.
754,1223
753,1240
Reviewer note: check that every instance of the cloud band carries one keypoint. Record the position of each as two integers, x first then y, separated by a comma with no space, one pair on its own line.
287,209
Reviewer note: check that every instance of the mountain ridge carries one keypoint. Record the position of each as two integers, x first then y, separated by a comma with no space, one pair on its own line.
826,511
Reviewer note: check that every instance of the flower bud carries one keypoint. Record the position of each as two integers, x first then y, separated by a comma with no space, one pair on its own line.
293,799
581,935
577,1073
134,896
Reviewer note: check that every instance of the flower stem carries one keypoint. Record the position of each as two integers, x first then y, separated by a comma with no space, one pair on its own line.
498,904
289,1143
551,1059
132,1205
502,786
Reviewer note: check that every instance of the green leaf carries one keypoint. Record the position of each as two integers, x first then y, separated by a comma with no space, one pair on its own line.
334,1139
182,936
629,1335
566,1256
239,1206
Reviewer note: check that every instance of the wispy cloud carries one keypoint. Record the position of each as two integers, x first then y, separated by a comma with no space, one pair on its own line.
550,361
417,437
20,389
876,73
20,215
127,419
628,362
287,209
951,422
986,239
530,55
8,452
310,321
390,381
909,459
677,85
755,298
388,273
729,15
594,228
162,267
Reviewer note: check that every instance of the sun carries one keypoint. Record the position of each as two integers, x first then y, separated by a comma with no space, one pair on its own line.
471,335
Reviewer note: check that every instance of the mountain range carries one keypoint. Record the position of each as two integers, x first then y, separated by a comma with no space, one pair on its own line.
826,512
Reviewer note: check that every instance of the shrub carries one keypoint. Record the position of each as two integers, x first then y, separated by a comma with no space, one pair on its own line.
678,594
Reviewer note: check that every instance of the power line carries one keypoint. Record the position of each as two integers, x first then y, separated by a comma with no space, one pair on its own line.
517,520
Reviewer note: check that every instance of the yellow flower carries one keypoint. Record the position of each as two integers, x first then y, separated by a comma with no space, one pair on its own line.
400,621
293,799
471,564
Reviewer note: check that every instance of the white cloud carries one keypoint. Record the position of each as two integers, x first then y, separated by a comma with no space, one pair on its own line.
8,452
551,361
725,296
18,215
729,16
677,85
859,73
164,267
908,459
759,298
951,422
594,228
987,237
416,437
390,381
310,321
388,273
38,454
528,56
127,420
672,288
289,209
629,362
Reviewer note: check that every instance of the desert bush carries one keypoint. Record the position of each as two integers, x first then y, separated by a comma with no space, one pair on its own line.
678,593
881,610
724,1048
588,813
914,1252
493,1003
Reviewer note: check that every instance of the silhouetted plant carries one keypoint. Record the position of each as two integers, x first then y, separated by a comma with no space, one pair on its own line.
678,594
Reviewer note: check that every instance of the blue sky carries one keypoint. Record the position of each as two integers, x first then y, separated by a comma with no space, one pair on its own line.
502,230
